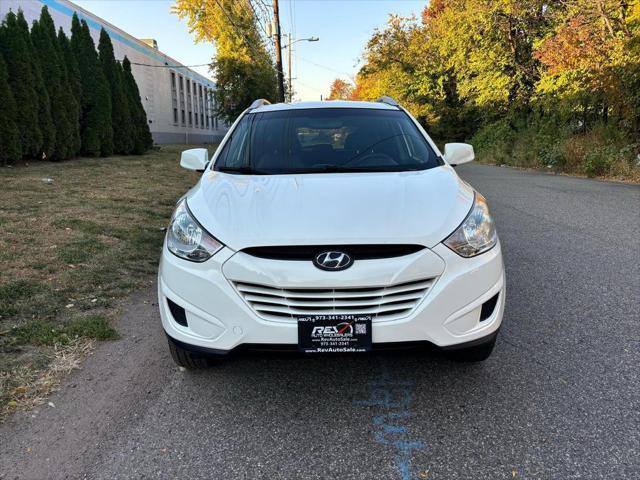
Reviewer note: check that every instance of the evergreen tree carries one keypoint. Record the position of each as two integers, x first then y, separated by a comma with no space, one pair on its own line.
10,146
142,136
43,36
72,91
103,99
128,112
21,80
95,124
120,114
45,121
90,140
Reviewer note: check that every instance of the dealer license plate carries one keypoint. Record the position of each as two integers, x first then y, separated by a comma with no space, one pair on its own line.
334,333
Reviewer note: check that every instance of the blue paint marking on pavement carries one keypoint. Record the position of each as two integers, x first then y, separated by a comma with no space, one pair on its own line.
393,397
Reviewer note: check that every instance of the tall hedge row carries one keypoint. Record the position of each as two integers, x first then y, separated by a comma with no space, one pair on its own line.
60,97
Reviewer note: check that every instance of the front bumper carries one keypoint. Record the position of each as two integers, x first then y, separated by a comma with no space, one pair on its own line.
220,320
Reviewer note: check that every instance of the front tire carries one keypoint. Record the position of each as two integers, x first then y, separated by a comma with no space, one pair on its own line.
478,353
187,359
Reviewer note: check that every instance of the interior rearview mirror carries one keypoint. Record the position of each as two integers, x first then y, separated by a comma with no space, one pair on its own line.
194,159
458,153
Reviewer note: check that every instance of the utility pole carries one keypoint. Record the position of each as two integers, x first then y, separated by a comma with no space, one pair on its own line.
289,83
276,19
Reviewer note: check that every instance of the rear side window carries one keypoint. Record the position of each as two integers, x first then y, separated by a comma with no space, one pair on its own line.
326,140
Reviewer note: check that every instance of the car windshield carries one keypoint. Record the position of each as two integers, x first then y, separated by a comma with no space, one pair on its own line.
326,140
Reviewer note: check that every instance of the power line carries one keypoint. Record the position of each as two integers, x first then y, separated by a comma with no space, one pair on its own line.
243,35
247,42
238,30
265,5
171,66
259,21
348,75
295,33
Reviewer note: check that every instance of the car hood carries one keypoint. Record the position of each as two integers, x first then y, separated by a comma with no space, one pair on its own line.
242,211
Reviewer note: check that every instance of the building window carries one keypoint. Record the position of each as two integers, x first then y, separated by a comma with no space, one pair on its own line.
174,98
214,119
201,104
181,90
206,107
189,103
196,115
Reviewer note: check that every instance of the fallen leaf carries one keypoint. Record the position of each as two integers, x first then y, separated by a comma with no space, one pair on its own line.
51,404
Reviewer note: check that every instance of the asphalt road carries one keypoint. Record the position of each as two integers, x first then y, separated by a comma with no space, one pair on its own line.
559,398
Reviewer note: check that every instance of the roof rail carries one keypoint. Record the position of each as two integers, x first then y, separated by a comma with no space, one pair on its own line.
388,100
259,103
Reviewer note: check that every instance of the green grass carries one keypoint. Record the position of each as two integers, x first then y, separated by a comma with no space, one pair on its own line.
80,250
73,250
41,332
13,292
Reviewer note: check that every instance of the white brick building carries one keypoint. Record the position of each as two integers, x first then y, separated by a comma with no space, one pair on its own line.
177,100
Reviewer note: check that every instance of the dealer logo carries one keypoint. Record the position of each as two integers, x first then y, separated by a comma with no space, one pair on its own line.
333,260
344,329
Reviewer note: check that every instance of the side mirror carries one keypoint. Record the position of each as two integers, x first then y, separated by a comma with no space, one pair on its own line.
458,153
194,159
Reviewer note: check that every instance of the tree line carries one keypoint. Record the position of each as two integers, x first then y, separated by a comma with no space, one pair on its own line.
60,97
528,82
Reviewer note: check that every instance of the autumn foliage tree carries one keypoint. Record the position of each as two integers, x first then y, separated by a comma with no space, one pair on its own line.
242,65
531,82
340,90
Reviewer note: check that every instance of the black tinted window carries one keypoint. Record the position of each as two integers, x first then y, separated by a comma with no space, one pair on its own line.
325,140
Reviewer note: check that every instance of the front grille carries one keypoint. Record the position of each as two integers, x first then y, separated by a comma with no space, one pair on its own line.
383,303
357,252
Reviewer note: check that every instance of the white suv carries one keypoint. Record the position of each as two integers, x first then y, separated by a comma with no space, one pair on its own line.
330,227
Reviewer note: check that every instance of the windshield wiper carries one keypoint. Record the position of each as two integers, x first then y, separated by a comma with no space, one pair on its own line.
242,170
372,168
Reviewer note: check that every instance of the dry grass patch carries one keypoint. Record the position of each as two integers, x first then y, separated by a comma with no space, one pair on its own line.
75,239
27,386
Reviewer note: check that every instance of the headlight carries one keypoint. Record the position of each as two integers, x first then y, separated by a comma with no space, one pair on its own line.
477,234
187,239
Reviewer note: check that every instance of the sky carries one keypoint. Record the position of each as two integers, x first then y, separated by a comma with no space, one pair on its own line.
343,26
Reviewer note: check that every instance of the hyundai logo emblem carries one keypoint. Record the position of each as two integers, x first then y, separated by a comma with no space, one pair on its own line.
332,260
